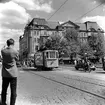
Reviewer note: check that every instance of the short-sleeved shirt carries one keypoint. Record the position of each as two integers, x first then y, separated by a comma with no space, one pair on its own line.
9,68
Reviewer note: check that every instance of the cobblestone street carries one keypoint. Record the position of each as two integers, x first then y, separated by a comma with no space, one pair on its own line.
56,88
52,52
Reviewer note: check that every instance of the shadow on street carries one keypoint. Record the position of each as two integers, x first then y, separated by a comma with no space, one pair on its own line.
36,69
100,72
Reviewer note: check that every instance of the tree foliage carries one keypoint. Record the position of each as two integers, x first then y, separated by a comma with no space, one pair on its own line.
86,49
71,35
72,43
67,44
54,42
95,41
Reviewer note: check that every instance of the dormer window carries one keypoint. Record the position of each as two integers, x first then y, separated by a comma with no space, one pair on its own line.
35,23
100,30
92,29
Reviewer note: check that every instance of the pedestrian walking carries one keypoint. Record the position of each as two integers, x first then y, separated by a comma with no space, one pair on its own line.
9,72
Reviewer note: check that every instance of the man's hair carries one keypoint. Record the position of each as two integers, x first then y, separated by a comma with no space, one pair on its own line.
10,42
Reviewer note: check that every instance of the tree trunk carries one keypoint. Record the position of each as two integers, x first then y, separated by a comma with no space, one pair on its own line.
103,63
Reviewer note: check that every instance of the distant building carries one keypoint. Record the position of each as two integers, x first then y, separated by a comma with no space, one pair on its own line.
84,29
87,29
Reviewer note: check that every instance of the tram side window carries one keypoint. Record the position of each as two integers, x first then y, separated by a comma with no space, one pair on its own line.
56,54
46,54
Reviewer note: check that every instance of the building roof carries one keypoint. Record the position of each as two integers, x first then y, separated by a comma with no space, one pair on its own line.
82,26
39,21
43,22
52,24
89,26
93,25
69,24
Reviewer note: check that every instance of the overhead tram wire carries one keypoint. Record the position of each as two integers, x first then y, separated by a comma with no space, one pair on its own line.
80,16
57,10
89,11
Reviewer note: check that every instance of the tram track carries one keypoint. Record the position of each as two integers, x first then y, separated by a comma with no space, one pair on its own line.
86,81
71,86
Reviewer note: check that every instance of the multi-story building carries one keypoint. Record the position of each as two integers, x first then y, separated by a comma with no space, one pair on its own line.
87,29
38,30
23,46
35,34
84,29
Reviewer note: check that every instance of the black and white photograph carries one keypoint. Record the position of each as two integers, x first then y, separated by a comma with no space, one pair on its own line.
52,52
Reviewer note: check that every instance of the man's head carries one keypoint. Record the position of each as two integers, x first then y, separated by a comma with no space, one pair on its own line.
10,42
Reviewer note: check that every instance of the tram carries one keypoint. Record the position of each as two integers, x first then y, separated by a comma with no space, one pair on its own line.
47,59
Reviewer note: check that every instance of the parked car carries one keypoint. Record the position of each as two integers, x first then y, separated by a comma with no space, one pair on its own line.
85,65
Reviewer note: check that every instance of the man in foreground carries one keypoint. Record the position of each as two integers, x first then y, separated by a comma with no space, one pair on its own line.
9,72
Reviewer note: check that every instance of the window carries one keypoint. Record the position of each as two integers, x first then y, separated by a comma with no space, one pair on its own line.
36,48
35,40
42,32
53,32
38,40
34,32
52,54
85,34
47,55
56,54
49,33
45,33
92,29
82,34
37,32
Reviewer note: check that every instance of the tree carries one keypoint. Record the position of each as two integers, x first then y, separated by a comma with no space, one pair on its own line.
95,42
72,43
86,49
101,48
54,42
100,45
92,41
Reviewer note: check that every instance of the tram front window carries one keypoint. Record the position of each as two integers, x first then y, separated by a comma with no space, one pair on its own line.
52,54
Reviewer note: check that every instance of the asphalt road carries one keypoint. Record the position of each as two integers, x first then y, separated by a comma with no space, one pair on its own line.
56,87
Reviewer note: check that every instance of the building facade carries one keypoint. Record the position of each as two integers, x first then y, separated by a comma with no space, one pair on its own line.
35,34
87,29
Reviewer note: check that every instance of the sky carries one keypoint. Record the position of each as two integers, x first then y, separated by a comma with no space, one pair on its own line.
15,14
